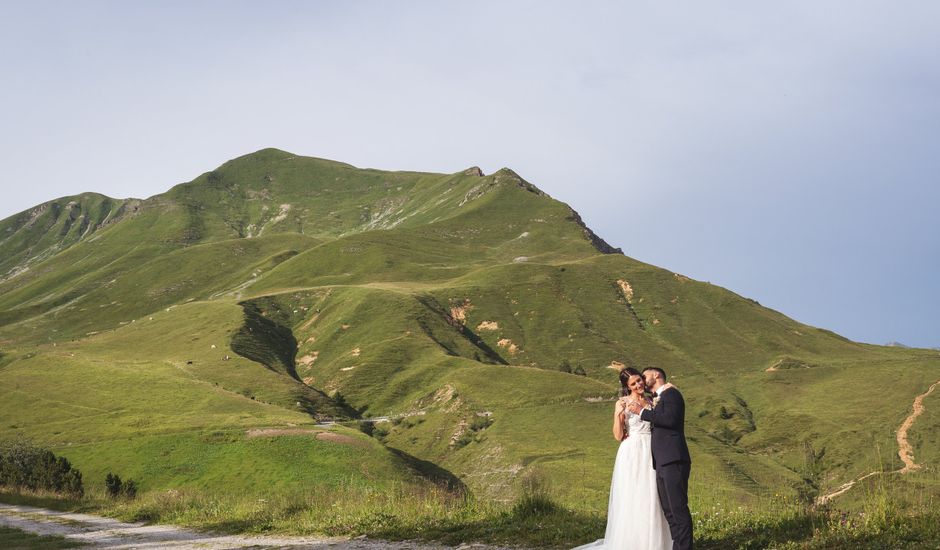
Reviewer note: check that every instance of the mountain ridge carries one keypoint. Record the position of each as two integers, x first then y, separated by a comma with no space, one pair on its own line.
280,289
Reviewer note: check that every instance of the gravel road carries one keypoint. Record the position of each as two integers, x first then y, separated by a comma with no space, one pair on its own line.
101,532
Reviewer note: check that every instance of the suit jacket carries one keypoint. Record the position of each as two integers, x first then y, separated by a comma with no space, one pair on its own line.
668,420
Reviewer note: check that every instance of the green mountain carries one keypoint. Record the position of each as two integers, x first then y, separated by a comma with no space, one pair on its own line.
195,338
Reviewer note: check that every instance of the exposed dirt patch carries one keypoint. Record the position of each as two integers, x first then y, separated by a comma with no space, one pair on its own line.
507,343
458,433
445,397
458,312
681,278
488,325
788,363
616,365
282,213
356,352
308,360
626,289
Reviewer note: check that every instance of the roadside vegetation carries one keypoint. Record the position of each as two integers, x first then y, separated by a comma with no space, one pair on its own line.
887,512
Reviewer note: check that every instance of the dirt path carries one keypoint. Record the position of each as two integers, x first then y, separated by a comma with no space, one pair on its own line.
100,532
904,447
905,451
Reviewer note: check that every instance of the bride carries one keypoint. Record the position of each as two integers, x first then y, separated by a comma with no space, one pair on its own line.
635,519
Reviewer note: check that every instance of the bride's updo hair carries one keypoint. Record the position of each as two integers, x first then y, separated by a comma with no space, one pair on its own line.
625,375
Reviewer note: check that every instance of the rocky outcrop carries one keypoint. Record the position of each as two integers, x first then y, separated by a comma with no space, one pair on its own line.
600,244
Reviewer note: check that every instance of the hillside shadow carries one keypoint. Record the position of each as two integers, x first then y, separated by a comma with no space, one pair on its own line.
432,472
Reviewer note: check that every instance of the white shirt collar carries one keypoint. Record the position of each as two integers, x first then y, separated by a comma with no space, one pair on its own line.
659,390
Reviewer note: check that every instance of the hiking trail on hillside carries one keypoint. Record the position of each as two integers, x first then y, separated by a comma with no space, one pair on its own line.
905,451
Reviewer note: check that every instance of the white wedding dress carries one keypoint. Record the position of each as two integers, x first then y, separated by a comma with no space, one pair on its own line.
635,520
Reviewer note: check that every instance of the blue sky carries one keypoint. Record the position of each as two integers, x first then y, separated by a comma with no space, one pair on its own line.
788,151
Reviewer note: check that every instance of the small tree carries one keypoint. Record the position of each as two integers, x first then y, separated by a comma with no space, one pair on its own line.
112,483
118,488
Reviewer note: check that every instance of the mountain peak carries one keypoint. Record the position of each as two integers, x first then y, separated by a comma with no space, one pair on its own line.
507,175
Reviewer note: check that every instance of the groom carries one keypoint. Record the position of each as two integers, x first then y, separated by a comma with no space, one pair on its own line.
671,458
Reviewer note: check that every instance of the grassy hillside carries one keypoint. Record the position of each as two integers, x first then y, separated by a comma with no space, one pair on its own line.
278,291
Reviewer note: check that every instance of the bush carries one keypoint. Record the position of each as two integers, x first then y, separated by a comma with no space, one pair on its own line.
112,484
118,488
565,366
129,488
579,370
481,423
464,440
380,433
26,466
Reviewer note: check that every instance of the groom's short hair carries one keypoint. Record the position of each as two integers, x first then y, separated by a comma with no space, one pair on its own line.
661,372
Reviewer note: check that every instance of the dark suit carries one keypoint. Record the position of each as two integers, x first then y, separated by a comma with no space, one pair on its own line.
672,463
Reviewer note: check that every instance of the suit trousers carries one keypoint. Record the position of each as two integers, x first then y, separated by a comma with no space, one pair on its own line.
672,483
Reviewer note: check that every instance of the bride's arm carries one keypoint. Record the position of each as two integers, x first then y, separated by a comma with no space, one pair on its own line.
619,433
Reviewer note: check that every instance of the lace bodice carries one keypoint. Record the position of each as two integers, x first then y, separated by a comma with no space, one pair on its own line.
637,426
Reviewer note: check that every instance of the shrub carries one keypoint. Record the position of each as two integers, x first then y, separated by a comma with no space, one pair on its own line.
129,488
380,432
112,483
118,488
481,423
464,439
26,466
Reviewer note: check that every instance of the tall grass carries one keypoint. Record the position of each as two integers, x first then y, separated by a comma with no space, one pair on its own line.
888,512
